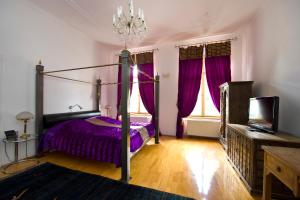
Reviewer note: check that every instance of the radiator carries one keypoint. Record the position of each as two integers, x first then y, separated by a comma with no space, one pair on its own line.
203,127
141,118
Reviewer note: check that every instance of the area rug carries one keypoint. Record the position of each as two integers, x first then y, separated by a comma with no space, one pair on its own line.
52,182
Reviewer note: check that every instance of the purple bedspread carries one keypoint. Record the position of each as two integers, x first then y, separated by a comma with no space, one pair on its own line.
84,139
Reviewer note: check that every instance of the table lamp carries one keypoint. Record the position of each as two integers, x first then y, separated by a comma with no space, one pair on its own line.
24,116
108,108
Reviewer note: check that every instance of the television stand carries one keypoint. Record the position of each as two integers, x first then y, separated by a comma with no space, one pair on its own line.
245,153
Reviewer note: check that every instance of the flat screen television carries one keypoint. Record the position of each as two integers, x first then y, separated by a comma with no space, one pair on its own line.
263,114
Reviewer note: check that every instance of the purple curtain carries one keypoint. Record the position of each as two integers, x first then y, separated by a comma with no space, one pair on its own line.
147,89
120,87
217,72
188,89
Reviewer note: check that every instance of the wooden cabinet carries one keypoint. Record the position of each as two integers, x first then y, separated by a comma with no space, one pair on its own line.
247,156
234,105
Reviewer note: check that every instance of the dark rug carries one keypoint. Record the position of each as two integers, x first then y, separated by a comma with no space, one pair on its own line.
49,181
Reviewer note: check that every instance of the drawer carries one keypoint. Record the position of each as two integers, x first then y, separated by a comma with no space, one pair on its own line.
281,170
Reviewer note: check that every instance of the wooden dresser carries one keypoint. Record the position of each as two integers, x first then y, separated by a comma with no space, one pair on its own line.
247,156
234,105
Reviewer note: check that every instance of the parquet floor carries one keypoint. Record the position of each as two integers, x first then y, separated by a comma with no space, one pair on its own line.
191,167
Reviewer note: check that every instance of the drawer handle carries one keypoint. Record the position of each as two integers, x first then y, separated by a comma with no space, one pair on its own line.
278,169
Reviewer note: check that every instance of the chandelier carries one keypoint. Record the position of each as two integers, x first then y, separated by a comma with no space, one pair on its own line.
128,25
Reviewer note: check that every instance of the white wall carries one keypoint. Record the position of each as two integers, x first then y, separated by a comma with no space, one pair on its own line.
166,63
273,58
28,34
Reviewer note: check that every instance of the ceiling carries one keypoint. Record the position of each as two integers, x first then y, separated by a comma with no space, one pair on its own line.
168,20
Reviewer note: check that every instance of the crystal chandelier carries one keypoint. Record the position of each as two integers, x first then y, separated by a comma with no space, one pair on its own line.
128,25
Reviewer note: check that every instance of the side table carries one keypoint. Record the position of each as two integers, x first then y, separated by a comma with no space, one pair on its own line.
16,151
283,163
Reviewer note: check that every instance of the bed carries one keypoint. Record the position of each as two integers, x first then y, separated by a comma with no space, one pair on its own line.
69,135
96,138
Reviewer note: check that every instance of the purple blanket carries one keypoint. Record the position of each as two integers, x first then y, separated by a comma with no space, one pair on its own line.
81,138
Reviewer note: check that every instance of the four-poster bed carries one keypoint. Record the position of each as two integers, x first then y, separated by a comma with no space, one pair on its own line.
62,120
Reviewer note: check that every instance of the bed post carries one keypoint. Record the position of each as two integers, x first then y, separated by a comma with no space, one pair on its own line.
98,94
39,102
125,159
156,104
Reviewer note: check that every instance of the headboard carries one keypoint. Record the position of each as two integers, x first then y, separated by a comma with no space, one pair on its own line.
53,119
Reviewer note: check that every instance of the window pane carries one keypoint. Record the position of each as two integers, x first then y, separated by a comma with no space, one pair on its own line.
142,107
210,109
135,99
198,107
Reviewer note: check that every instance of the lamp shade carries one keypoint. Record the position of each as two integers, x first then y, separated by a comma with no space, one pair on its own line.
24,115
108,107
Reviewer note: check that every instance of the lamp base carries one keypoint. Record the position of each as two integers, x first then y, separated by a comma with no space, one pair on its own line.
25,136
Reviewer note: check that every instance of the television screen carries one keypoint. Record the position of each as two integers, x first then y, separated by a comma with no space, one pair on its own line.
263,113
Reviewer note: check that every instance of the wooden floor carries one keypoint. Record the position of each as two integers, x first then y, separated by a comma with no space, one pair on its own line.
191,167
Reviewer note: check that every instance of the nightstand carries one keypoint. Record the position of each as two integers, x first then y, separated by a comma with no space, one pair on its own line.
16,151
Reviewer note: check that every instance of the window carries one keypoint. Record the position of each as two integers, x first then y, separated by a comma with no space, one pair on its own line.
136,104
204,106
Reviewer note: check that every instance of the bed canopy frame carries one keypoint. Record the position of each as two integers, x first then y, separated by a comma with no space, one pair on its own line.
44,121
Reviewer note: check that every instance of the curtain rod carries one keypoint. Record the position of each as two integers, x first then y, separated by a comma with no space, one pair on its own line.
205,43
137,52
91,67
146,51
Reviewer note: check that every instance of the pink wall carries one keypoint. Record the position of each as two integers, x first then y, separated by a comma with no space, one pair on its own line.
29,34
273,60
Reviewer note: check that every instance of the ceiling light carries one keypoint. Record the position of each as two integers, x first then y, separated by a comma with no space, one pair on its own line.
129,26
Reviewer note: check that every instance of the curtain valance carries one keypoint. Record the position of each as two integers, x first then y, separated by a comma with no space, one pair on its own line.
144,58
192,52
218,49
